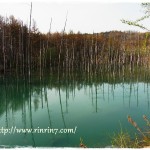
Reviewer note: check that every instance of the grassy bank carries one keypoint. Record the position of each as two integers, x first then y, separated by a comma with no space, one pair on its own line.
123,139
142,140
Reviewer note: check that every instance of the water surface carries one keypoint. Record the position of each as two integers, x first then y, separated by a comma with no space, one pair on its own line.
96,103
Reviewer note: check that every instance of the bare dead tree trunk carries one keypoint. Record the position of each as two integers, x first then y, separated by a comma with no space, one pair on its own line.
48,46
3,47
29,45
60,49
22,45
40,60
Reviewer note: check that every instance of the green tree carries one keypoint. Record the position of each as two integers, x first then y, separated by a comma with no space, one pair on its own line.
137,22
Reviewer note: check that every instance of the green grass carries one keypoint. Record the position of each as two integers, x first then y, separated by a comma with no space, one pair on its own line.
123,140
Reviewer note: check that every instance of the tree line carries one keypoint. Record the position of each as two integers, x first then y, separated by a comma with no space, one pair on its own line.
20,45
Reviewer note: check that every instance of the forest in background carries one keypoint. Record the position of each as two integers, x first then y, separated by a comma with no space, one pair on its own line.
24,49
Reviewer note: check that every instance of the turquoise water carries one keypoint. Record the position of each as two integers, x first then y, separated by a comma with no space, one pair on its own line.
96,104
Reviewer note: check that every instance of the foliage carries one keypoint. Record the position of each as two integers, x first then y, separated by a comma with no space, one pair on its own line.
145,141
82,144
123,140
146,6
